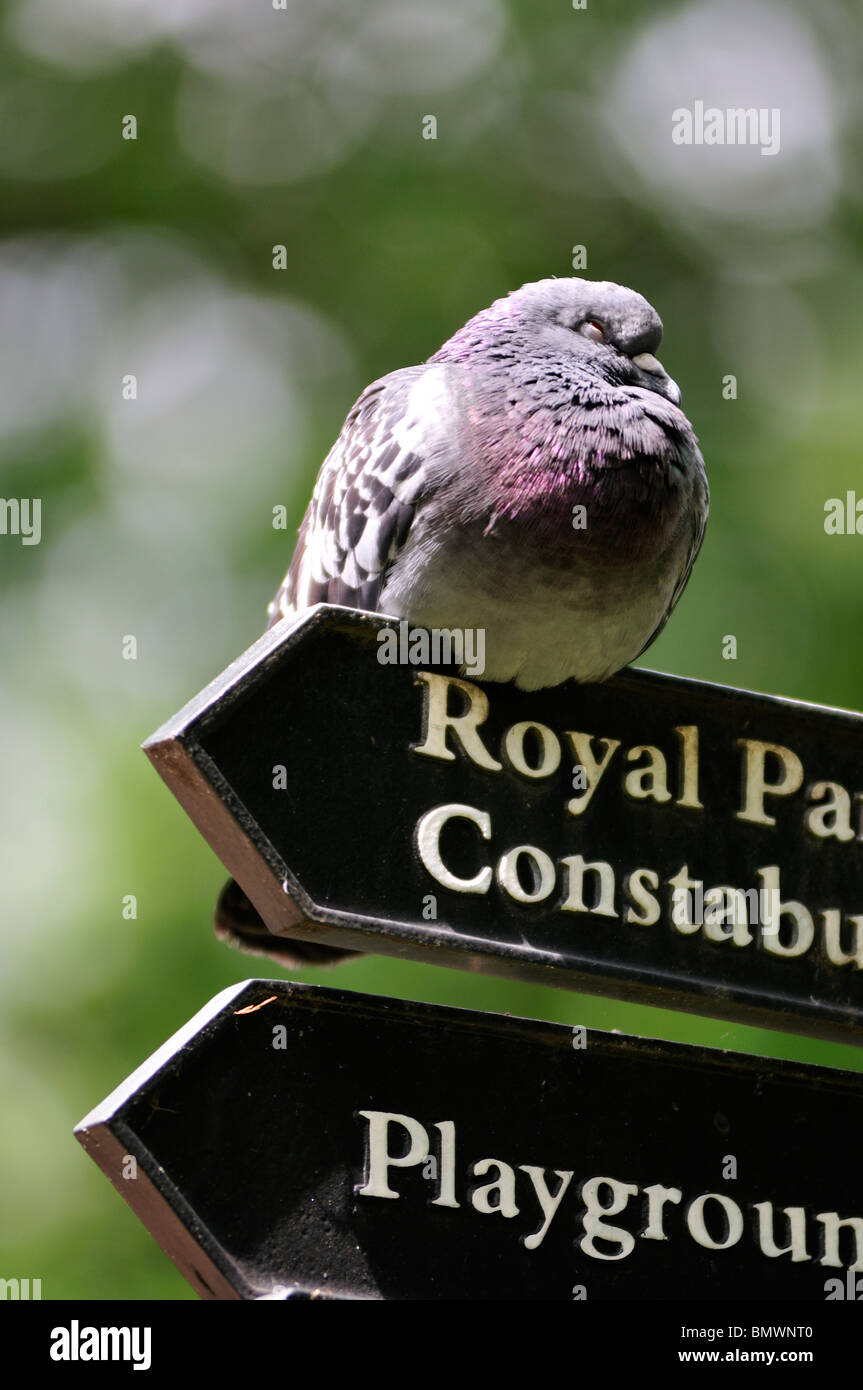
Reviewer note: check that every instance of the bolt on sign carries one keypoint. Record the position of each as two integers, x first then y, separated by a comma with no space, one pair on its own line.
299,1142
654,839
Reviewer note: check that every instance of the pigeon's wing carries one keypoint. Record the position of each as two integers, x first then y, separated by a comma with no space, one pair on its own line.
364,499
359,516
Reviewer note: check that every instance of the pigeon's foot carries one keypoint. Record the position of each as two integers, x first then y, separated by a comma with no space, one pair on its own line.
238,923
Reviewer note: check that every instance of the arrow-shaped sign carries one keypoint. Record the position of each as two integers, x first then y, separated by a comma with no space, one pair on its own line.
293,1141
655,839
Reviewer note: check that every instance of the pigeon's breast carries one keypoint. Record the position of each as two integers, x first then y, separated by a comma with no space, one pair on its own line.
548,612
563,530
560,455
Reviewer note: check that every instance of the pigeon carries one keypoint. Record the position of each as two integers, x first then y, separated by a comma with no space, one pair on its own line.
535,478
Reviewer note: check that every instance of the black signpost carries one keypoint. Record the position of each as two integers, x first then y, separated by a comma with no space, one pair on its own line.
293,1141
652,839
659,840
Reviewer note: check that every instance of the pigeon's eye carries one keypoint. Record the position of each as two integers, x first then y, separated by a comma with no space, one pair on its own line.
592,330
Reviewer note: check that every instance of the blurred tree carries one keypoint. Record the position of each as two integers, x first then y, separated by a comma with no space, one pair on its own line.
305,127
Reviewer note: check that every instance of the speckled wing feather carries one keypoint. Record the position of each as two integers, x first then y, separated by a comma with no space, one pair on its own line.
363,503
356,523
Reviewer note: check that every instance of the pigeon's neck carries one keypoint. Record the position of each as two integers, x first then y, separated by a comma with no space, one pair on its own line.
610,509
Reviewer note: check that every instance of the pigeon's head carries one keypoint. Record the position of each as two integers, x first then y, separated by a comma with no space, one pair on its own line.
611,329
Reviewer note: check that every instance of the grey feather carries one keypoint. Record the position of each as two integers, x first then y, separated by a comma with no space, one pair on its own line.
362,506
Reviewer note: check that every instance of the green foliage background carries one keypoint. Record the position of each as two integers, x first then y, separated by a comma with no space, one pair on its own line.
303,127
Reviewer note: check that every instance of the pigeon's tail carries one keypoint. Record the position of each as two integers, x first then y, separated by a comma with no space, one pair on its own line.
238,922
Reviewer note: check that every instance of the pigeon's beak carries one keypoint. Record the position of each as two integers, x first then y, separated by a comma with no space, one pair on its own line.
657,377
